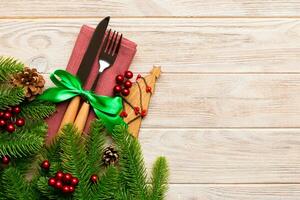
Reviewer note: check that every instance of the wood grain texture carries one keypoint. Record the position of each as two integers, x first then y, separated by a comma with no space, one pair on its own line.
234,192
143,8
226,155
186,45
225,100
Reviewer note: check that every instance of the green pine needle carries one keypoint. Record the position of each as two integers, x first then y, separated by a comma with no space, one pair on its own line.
107,186
159,179
36,109
133,171
10,96
95,145
15,186
8,67
24,141
74,159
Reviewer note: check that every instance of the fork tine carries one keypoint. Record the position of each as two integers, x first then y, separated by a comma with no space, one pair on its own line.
114,44
108,50
106,41
118,45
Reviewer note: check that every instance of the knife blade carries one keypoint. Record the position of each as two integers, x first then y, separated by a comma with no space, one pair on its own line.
84,69
92,50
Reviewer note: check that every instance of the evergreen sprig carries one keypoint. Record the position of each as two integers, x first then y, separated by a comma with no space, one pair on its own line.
133,171
16,186
159,179
36,109
8,67
25,141
10,96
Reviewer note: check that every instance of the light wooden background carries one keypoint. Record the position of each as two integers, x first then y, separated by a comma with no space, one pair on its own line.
226,113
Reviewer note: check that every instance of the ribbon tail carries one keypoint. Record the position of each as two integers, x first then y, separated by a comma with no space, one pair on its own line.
109,121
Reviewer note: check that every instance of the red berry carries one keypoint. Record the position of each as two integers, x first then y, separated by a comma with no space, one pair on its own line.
5,160
94,178
117,89
138,77
123,114
58,184
1,114
10,128
45,165
52,182
74,181
2,122
128,84
144,113
119,79
20,122
66,189
136,110
72,189
59,175
67,178
128,74
125,92
16,109
148,89
7,115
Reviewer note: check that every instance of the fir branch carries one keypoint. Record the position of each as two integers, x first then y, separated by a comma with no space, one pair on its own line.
15,185
37,109
25,141
95,145
8,67
46,191
159,179
107,186
132,166
10,96
75,160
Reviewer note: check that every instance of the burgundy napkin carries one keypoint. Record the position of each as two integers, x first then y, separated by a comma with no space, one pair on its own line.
106,81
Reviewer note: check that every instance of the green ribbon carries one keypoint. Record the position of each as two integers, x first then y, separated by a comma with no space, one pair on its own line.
69,86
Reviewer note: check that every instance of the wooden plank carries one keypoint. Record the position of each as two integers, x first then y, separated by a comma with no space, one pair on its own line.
225,155
219,100
91,8
179,45
234,192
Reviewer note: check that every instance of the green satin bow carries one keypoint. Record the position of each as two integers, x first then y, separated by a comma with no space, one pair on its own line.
69,86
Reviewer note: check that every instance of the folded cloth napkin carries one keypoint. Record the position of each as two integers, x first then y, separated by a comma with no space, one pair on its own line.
106,81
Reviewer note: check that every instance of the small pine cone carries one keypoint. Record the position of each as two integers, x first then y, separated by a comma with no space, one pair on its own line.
110,156
31,81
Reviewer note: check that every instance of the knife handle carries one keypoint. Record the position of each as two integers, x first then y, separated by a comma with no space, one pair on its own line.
71,112
82,116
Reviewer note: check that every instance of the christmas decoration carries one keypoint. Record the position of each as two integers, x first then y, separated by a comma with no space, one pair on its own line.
30,80
69,86
110,156
94,178
71,157
19,116
5,160
45,165
136,104
123,87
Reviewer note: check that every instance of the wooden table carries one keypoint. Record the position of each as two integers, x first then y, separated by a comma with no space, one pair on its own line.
226,113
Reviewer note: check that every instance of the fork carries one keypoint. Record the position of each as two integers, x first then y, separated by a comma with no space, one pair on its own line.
106,59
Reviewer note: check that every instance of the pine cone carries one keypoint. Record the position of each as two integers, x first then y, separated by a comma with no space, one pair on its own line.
31,81
110,156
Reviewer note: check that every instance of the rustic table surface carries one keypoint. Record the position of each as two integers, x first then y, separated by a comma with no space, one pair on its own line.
226,112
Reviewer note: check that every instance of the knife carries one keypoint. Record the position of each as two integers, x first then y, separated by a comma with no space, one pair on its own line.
85,68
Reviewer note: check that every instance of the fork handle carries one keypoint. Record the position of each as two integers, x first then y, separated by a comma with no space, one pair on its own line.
82,116
70,113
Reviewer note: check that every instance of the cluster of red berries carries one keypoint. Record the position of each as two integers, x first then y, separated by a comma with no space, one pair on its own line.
64,182
8,119
123,83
